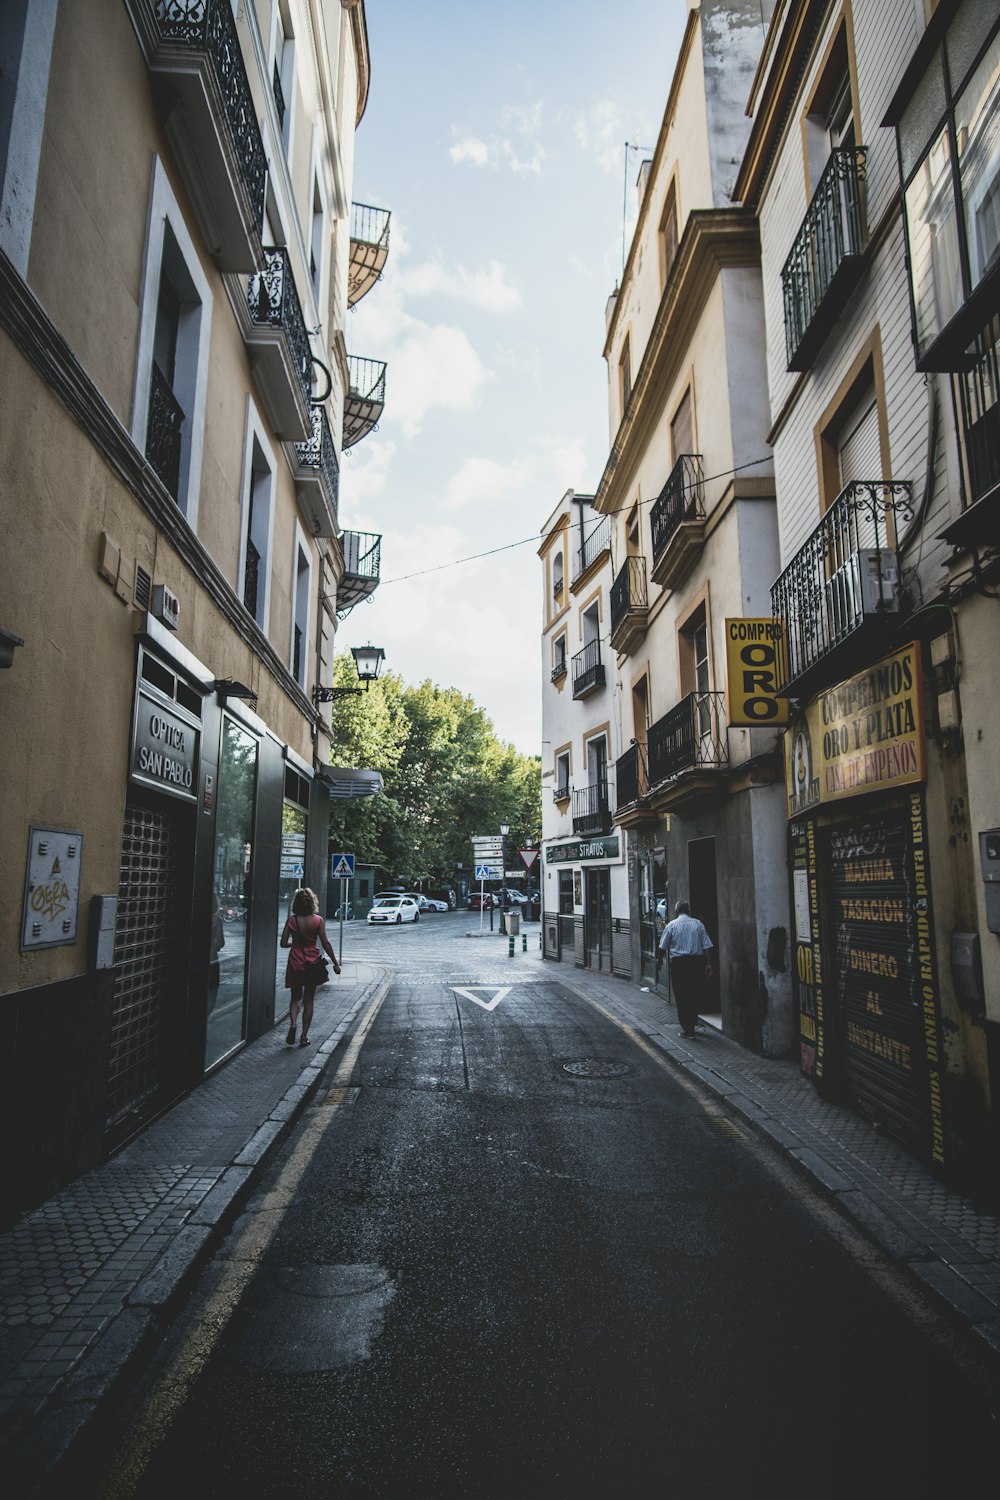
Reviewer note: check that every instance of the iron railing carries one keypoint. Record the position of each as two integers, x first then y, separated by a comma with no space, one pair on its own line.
251,576
598,541
682,498
628,592
208,25
630,776
272,298
591,812
844,573
691,736
362,564
364,399
588,669
370,226
559,670
163,430
980,390
319,452
560,794
831,232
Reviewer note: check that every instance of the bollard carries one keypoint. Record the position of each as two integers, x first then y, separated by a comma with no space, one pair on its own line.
524,942
510,946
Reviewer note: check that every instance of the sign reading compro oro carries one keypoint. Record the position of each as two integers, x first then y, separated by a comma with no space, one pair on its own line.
755,669
864,735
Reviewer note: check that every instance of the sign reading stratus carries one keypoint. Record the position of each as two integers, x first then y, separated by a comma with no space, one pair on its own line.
755,669
864,735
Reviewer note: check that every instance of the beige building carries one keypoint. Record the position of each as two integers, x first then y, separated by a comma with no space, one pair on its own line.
882,373
177,257
688,494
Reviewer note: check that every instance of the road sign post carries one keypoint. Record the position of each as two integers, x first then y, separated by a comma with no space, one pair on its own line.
342,869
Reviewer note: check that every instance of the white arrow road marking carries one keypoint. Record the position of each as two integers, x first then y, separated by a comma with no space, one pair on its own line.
498,995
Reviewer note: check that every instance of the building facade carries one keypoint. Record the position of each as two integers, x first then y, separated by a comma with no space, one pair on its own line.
177,255
873,165
582,880
687,494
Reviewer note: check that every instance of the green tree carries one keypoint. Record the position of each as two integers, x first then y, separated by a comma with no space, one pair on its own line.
446,777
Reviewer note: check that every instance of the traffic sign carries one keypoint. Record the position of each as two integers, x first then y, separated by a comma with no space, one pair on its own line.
482,872
342,866
528,858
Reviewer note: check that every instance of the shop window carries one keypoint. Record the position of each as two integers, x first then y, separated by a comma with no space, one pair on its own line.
168,412
948,138
258,512
233,889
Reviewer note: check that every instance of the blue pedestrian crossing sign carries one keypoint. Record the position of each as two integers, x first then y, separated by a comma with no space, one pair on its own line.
342,866
482,872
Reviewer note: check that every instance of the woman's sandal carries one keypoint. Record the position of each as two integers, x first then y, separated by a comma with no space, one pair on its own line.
304,1042
290,1038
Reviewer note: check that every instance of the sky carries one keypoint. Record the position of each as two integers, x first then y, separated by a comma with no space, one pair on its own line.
496,135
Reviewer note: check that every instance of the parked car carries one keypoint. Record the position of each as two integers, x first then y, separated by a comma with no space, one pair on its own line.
445,893
513,898
482,903
423,902
394,909
432,903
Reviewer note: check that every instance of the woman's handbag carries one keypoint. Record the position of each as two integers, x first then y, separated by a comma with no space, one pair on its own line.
316,973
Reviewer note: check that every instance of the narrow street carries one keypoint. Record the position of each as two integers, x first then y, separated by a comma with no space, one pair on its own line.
509,1251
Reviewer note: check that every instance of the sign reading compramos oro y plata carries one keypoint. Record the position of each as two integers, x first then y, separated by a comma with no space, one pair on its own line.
862,735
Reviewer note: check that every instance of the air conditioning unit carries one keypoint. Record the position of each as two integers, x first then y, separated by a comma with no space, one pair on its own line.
165,606
865,585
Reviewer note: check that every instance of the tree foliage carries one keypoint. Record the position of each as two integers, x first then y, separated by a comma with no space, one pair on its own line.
446,777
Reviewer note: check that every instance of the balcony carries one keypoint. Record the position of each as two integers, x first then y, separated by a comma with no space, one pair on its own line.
365,398
317,477
279,348
840,589
588,670
688,753
369,250
595,544
629,605
591,811
631,779
677,522
559,670
827,258
203,100
979,388
163,430
362,559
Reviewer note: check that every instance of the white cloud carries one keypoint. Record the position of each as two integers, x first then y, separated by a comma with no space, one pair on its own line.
431,366
487,288
600,133
528,484
520,126
474,151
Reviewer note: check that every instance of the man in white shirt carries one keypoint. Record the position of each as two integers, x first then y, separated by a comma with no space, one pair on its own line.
686,945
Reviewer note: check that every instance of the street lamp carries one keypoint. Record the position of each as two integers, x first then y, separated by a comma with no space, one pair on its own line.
504,830
367,661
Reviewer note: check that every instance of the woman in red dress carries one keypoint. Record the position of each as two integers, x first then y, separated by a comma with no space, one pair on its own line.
304,931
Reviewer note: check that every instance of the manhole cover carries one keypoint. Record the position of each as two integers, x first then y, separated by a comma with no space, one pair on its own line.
596,1067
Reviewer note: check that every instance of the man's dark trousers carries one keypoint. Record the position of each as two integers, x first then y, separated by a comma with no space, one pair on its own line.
687,975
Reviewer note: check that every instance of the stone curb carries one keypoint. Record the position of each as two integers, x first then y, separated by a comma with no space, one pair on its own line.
129,1339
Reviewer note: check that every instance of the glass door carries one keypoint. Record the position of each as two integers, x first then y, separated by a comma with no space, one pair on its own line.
232,866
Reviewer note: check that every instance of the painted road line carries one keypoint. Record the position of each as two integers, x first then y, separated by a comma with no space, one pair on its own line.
487,989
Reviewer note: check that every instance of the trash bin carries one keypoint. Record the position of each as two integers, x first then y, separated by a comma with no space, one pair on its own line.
534,911
512,923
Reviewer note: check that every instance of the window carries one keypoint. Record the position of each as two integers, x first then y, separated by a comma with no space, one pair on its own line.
566,896
979,388
561,793
258,512
632,547
284,74
829,119
948,138
559,657
696,671
682,428
558,576
300,611
668,234
168,410
597,762
625,374
316,240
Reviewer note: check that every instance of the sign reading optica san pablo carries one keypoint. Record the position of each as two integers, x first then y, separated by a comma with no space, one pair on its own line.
863,735
755,669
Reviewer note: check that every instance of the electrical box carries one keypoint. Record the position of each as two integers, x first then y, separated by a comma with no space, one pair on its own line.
989,858
103,921
165,606
967,970
51,887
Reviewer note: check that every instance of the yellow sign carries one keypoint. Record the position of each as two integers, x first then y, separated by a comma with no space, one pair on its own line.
863,735
755,669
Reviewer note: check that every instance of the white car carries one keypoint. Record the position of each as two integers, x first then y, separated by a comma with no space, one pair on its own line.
428,903
394,909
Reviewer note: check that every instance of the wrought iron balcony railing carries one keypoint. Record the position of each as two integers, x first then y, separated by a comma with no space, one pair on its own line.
691,736
369,249
825,259
194,46
588,670
596,542
273,300
631,777
591,812
317,476
362,561
365,398
163,430
559,670
681,499
844,575
628,593
560,794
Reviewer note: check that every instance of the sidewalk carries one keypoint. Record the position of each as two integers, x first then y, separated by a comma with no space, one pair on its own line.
89,1279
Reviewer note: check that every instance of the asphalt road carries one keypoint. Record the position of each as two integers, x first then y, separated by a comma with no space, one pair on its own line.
511,1253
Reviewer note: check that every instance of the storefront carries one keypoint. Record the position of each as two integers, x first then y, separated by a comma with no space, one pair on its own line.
586,904
865,967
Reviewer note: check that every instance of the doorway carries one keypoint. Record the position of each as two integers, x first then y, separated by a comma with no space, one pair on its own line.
703,895
597,919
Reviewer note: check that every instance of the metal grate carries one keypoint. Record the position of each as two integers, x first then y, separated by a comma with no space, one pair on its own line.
144,941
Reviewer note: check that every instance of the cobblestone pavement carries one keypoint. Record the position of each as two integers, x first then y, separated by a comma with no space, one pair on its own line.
88,1279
